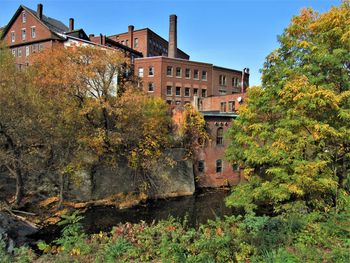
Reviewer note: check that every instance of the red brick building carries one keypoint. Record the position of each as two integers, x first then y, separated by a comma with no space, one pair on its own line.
163,69
31,31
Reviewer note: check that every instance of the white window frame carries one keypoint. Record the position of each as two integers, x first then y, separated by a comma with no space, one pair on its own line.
136,42
13,36
194,75
140,73
24,17
27,51
171,90
24,34
151,69
180,76
189,92
176,91
172,71
33,30
189,71
19,52
153,87
204,76
14,52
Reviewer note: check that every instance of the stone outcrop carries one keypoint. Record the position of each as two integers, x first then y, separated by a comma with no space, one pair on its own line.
15,231
170,180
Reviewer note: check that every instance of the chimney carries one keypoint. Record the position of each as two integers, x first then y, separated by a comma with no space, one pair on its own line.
39,11
91,36
172,49
102,39
131,35
71,24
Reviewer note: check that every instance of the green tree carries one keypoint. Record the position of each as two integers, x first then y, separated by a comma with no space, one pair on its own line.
292,136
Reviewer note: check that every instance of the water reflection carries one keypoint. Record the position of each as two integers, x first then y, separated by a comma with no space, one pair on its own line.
198,209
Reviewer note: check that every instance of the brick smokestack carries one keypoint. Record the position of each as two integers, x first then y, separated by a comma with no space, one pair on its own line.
39,11
131,35
172,48
71,24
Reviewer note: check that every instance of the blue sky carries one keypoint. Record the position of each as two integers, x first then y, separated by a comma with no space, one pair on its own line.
234,34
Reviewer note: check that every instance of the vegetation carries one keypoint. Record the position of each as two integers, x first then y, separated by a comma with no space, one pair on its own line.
293,238
79,109
292,136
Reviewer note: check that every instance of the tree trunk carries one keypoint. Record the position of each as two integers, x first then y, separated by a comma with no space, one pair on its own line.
19,187
17,173
61,197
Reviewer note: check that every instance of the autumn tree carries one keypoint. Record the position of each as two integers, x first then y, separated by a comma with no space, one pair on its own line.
23,127
117,120
292,136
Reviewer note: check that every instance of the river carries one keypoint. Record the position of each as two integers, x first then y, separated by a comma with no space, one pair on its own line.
198,209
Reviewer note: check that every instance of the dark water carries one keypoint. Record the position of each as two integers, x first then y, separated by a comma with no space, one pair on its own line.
197,209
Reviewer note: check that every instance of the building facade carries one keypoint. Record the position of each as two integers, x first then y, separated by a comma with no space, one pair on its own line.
163,70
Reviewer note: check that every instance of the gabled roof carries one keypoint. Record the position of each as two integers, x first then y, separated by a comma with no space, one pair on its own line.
78,33
52,24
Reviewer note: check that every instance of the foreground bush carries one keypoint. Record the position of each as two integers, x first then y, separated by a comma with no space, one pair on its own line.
311,237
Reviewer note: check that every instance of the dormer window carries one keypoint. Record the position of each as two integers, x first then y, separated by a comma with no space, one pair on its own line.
24,17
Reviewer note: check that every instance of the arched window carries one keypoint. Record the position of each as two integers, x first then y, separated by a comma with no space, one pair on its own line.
219,166
219,136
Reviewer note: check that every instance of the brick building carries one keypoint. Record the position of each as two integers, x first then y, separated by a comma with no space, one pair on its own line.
31,31
163,69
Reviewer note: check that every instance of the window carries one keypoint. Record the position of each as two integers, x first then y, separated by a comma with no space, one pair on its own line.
187,92
13,39
24,17
222,80
27,51
151,71
178,91
204,75
235,82
204,93
169,71
219,166
200,166
223,106
235,167
20,52
150,86
231,106
178,102
195,92
196,74
14,52
23,34
141,72
188,73
178,72
219,136
123,42
34,48
136,43
126,42
168,102
33,32
41,47
169,90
